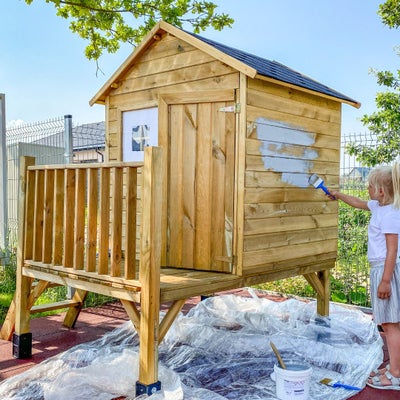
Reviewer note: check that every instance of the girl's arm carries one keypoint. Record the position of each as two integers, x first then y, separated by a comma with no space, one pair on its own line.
350,200
390,263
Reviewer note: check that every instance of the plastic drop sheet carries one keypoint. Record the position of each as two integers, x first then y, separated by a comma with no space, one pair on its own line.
219,350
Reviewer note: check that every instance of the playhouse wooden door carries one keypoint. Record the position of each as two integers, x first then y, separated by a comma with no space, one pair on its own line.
200,185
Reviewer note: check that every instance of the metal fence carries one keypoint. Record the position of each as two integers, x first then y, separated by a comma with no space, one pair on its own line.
350,278
54,141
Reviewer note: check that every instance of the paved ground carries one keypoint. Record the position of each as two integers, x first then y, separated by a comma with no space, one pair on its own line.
51,338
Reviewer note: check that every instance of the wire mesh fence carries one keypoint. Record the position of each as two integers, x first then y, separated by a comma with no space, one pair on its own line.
46,142
350,278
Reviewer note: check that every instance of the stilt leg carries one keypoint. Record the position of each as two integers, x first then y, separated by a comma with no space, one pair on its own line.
22,337
320,282
149,273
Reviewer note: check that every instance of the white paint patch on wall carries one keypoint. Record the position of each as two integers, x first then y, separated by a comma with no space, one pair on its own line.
276,131
287,149
299,180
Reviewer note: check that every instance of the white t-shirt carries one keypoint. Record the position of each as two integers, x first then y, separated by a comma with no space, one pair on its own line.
384,219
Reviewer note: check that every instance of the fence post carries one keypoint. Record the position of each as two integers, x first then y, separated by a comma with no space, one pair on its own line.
68,157
68,142
3,183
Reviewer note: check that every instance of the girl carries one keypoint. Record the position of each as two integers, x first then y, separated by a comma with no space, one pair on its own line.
383,256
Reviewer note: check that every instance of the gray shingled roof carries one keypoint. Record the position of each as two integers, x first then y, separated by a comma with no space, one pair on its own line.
275,70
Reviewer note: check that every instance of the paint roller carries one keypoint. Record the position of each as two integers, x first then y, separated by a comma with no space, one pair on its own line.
318,183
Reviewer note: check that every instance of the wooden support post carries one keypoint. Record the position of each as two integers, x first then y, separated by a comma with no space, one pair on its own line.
8,326
149,272
169,318
132,312
22,338
320,282
73,312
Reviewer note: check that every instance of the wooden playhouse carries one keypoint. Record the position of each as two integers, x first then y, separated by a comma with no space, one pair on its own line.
221,199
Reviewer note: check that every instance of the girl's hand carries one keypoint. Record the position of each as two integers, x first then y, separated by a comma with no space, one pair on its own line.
384,291
332,194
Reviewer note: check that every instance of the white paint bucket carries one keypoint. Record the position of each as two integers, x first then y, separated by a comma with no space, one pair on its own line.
292,383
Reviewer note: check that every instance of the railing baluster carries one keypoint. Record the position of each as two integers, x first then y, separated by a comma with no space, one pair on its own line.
93,195
27,182
79,233
38,215
104,220
48,215
69,206
116,232
58,230
130,223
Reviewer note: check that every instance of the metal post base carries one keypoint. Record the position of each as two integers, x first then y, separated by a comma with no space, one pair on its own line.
141,388
22,345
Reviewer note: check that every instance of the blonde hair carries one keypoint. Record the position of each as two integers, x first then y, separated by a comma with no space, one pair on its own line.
387,179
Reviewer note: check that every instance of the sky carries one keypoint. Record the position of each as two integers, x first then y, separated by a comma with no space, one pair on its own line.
44,73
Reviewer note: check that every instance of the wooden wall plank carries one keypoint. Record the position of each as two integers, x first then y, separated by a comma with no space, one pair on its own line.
283,194
280,224
278,254
219,195
289,209
175,193
293,94
188,169
310,125
279,239
203,188
275,102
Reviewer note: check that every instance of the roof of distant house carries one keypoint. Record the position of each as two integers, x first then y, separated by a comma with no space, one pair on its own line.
84,137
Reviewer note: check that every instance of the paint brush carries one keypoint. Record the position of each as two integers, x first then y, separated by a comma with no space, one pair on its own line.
337,384
318,183
278,355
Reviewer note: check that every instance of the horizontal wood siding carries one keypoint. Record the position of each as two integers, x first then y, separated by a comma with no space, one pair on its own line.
169,65
289,225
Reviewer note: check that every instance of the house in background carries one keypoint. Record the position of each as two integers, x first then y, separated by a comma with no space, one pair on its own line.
359,174
88,142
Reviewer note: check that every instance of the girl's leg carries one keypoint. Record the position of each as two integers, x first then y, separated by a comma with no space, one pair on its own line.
392,333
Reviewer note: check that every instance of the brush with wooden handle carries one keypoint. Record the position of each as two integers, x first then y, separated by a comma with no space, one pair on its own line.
278,355
337,384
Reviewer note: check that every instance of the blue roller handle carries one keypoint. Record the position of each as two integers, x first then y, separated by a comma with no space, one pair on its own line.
348,387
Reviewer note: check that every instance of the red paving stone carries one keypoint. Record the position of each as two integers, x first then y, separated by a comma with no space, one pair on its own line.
51,338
